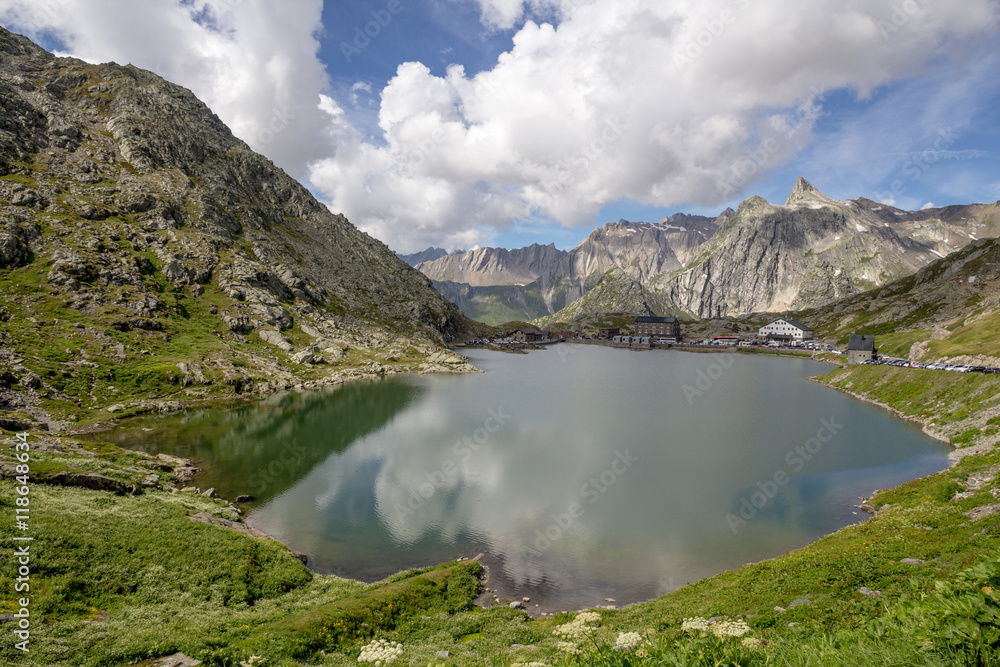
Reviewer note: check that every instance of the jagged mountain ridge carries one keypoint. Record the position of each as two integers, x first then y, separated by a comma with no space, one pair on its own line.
426,255
809,251
493,266
639,249
131,207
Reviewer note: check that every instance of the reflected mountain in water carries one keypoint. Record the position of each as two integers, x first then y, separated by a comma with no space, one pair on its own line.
264,448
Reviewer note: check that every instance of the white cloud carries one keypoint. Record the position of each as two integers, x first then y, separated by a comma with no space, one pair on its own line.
252,61
926,206
690,101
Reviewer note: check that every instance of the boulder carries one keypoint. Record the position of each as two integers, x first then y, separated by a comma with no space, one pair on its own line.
176,660
310,355
91,480
274,337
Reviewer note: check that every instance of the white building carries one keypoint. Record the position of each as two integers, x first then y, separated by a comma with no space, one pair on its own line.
786,329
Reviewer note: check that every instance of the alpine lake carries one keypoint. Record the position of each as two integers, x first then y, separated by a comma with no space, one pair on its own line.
584,475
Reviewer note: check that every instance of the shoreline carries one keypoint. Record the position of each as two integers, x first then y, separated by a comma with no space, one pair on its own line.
180,405
499,595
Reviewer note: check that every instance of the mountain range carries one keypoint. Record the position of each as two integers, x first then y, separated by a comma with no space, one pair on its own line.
143,246
806,252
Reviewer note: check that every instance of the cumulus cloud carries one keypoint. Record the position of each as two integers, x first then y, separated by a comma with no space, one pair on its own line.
252,61
663,103
595,101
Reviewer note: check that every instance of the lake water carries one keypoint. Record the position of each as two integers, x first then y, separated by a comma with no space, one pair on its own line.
581,472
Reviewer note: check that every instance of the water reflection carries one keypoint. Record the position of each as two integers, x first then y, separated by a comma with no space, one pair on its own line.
581,476
265,447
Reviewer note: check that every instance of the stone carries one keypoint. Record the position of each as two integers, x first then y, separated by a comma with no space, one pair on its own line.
912,561
796,603
516,604
983,511
91,480
274,337
867,592
308,356
151,481
210,493
443,655
176,660
244,498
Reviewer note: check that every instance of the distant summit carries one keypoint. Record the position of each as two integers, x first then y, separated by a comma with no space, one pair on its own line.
805,192
428,255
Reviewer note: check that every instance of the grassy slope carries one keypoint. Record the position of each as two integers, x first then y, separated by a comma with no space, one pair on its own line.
78,355
221,596
949,318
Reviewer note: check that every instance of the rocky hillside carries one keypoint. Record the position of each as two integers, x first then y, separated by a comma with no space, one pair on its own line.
809,251
948,310
491,286
146,250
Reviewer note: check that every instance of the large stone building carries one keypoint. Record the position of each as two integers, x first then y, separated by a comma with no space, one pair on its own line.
527,335
786,329
657,327
861,347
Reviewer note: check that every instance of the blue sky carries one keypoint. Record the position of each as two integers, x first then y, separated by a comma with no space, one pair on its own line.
507,122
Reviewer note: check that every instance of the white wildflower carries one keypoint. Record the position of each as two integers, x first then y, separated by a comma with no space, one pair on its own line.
628,639
730,628
568,647
752,643
578,626
381,652
696,624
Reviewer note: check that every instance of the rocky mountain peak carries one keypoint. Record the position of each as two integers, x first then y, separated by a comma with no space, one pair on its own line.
130,209
805,192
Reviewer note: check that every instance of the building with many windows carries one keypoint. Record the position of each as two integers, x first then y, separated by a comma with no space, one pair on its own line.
657,327
786,329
